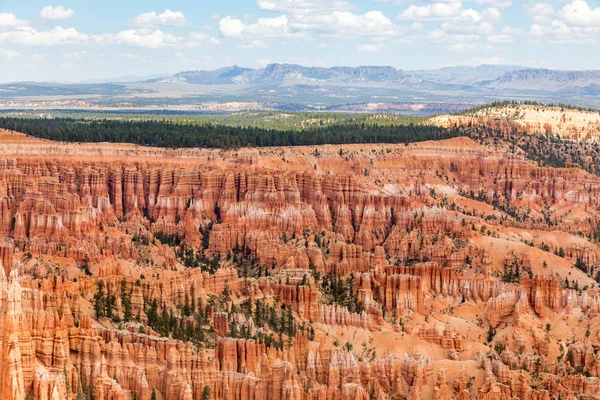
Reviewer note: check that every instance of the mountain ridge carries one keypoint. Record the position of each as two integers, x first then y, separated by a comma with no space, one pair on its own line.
487,76
276,73
546,79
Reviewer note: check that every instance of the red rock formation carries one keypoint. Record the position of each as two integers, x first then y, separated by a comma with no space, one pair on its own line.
419,246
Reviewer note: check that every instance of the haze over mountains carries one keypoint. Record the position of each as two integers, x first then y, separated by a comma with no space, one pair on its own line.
277,73
548,80
463,75
483,76
297,87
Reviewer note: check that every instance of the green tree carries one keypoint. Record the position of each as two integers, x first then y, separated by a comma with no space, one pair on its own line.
491,334
177,135
153,314
126,301
206,393
109,302
580,265
186,306
100,300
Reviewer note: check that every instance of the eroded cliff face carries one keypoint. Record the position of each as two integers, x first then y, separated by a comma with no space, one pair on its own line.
437,270
558,121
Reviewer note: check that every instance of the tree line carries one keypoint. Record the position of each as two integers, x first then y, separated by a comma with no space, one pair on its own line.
179,135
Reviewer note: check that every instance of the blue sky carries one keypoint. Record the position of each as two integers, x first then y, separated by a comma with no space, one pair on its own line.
84,39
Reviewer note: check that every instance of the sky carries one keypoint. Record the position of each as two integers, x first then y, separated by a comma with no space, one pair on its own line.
80,40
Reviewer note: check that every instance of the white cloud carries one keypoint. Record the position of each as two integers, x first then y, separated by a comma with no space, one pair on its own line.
166,18
450,13
512,30
578,12
304,7
346,23
492,14
399,2
561,32
460,42
263,28
133,37
154,39
231,27
555,28
541,12
199,38
478,28
417,26
431,12
458,27
28,36
489,3
8,20
371,48
9,54
305,18
575,23
56,13
440,36
496,3
500,39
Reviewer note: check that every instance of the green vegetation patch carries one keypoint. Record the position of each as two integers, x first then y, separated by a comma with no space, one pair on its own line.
184,135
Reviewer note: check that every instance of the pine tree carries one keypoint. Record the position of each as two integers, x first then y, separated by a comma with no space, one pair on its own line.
126,301
580,265
109,303
100,300
206,393
186,306
153,314
490,335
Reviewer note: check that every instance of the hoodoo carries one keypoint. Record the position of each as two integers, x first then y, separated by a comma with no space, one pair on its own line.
435,270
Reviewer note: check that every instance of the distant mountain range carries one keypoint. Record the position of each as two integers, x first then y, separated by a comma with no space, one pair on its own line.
465,75
277,73
492,77
297,87
546,80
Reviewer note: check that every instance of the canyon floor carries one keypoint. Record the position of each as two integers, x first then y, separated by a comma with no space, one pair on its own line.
437,270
